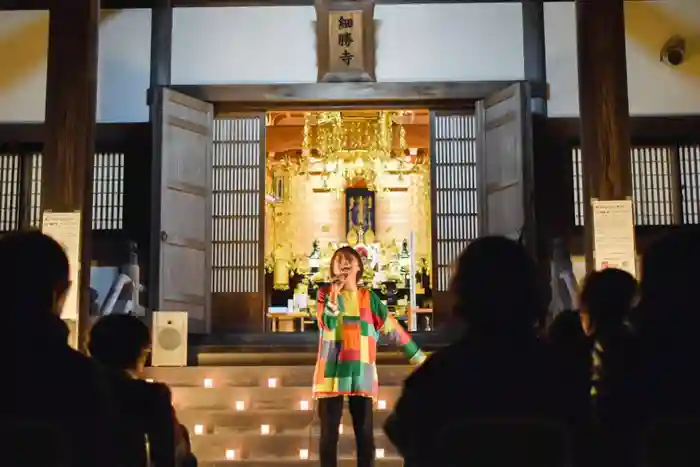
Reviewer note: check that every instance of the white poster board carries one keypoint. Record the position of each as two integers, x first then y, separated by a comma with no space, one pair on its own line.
613,235
64,227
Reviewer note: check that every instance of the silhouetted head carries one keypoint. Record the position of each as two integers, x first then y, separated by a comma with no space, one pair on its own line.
669,283
120,342
496,287
606,299
35,274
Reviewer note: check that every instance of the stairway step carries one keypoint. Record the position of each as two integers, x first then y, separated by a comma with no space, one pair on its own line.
259,376
343,462
276,445
293,357
217,421
256,399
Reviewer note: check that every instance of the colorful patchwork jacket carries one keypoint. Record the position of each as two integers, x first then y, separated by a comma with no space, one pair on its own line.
347,350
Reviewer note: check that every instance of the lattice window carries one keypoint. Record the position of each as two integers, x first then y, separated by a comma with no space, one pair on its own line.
652,185
237,196
689,157
456,197
107,191
10,174
35,191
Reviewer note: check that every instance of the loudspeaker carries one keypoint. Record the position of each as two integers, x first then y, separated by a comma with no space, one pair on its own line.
169,338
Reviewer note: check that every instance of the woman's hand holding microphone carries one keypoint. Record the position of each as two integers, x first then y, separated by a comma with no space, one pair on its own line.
337,283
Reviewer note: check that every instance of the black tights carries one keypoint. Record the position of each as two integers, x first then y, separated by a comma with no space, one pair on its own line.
330,411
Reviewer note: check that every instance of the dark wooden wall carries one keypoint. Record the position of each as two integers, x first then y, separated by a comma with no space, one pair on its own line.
556,171
109,247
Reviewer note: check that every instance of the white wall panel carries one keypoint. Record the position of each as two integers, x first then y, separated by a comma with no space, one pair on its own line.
447,42
123,75
654,88
452,42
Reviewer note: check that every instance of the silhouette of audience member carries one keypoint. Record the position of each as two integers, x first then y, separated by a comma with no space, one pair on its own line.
606,300
667,383
499,369
122,343
56,407
572,347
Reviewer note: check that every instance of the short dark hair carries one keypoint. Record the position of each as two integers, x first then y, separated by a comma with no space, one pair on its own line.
608,295
35,265
349,252
496,287
117,341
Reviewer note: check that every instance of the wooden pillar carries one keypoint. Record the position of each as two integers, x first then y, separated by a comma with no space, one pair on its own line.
534,58
69,145
604,106
161,62
535,67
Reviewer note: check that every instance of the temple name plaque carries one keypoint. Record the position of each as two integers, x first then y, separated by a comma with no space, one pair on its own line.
345,41
613,235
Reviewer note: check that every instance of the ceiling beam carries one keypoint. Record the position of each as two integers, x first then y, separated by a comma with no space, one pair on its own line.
133,4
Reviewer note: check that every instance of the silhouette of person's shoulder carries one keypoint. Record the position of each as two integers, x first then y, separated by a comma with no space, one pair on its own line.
441,364
155,394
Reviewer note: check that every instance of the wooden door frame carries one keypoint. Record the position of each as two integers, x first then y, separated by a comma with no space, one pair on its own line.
230,99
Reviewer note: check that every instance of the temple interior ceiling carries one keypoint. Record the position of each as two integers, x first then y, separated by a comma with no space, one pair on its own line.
285,130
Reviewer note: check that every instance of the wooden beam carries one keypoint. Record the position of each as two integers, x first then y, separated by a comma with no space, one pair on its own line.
643,130
69,145
534,51
44,4
108,136
231,98
161,61
135,4
604,106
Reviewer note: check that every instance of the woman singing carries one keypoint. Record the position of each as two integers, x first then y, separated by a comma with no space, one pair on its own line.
350,319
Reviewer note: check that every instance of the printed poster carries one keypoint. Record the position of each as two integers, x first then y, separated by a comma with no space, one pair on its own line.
64,227
613,235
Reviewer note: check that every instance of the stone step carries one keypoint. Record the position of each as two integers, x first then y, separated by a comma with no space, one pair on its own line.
311,462
259,398
249,421
293,357
259,376
277,445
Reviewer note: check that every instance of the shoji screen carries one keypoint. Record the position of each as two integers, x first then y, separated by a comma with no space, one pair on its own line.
454,181
10,187
238,196
652,185
107,195
690,182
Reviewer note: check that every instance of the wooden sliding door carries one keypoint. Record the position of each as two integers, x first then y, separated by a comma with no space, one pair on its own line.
455,203
238,219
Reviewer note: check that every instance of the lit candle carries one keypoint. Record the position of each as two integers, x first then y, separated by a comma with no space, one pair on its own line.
381,405
380,453
240,405
272,382
304,405
208,383
340,429
199,429
303,454
264,429
230,454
